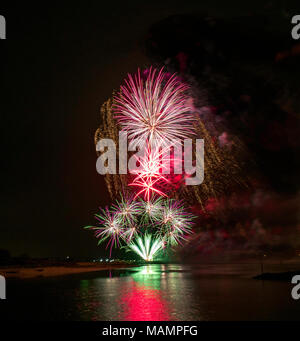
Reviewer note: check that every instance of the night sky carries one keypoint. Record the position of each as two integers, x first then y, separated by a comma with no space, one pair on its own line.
58,65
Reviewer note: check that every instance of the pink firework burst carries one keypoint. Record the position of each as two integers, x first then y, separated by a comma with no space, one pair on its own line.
176,224
154,109
111,228
149,173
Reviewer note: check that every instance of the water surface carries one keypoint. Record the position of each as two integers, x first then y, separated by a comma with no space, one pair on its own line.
154,292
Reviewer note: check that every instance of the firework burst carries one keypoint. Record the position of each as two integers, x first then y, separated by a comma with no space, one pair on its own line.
151,210
149,173
152,226
176,224
146,247
126,209
130,232
154,109
110,228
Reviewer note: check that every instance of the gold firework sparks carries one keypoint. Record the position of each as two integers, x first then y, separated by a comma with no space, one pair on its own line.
222,165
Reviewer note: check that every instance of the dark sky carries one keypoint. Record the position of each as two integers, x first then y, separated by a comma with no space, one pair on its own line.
58,65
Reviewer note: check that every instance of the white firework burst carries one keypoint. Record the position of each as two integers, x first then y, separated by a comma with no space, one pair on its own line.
155,109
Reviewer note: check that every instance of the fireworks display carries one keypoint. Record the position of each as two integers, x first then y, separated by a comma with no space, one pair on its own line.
153,109
222,169
147,229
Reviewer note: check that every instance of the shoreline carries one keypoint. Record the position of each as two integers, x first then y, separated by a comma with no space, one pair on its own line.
37,271
18,272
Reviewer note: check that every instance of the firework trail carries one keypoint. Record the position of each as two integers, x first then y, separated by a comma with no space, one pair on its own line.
222,169
115,183
153,111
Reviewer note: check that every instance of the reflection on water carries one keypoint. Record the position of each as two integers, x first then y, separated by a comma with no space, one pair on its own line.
138,294
142,299
147,294
157,293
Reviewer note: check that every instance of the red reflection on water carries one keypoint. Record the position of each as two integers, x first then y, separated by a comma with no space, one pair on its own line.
142,303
